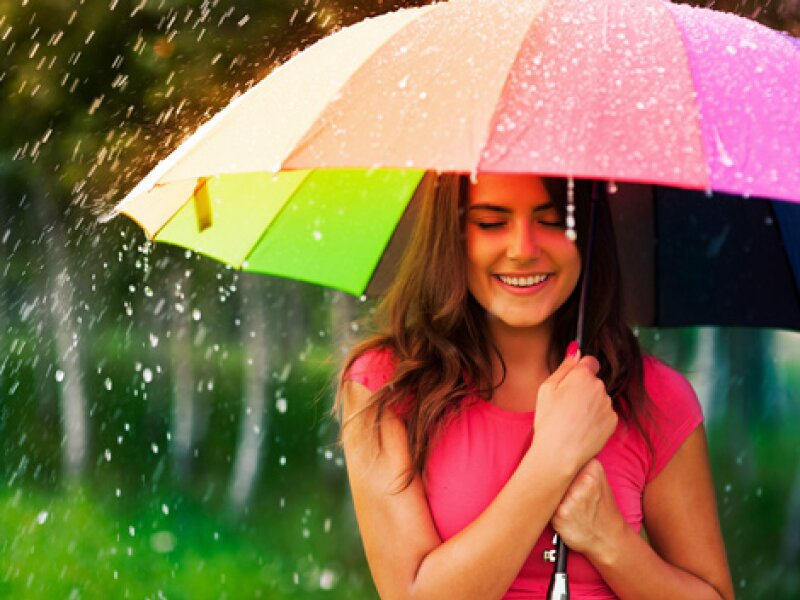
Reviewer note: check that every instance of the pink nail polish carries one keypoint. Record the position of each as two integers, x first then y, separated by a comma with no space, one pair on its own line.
572,349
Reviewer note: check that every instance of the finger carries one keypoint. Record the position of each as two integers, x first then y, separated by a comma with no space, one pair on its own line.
591,363
569,363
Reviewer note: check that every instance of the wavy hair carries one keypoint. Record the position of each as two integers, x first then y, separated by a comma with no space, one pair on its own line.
439,334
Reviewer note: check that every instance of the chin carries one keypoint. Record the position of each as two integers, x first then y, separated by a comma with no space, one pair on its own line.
519,321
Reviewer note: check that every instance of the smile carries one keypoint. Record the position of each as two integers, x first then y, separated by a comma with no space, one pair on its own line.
523,282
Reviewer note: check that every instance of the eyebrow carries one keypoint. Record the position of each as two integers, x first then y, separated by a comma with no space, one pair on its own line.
507,211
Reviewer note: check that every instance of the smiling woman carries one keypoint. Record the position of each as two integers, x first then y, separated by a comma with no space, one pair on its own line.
520,265
471,439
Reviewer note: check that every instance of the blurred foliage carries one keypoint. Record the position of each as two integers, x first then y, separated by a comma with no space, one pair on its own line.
92,94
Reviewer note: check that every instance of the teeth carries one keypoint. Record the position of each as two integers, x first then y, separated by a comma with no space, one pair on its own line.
522,281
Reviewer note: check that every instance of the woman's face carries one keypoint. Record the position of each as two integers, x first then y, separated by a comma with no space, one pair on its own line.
520,266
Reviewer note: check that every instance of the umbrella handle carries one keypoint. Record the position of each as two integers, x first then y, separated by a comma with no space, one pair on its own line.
559,584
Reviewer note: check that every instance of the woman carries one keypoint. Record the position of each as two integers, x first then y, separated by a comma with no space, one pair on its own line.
455,495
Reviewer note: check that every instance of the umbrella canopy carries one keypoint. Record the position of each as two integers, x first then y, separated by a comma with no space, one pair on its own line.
308,174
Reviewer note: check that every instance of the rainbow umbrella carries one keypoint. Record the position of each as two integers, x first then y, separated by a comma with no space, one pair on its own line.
308,174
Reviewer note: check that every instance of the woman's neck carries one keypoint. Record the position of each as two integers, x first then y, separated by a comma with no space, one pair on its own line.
524,352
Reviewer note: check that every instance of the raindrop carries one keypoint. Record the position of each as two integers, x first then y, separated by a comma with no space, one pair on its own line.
327,579
131,531
153,340
147,375
196,314
282,461
317,235
403,83
163,542
41,518
154,448
107,454
281,405
59,375
165,509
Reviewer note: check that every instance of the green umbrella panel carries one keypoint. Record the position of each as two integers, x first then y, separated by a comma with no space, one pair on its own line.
329,227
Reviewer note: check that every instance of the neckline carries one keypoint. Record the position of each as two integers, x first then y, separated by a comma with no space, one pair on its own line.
515,415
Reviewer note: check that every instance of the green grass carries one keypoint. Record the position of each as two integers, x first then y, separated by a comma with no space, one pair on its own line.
75,544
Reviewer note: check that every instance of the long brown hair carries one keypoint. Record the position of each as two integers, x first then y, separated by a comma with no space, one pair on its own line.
439,336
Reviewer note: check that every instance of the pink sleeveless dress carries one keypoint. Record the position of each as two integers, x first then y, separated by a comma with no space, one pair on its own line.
478,451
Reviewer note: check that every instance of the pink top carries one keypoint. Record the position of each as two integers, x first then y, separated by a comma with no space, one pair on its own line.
478,451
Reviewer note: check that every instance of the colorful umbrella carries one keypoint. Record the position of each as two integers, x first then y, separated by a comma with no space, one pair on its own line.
308,173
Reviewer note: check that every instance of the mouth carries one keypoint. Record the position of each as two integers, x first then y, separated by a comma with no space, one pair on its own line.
523,282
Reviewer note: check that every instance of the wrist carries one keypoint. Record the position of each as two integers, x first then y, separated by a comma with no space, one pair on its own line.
558,466
613,544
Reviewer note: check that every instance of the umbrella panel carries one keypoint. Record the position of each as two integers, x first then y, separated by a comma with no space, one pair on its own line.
689,259
328,227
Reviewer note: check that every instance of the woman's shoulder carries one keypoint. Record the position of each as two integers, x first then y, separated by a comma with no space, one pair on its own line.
673,413
372,368
662,382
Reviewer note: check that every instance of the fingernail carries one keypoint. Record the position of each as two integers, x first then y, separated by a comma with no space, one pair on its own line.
572,349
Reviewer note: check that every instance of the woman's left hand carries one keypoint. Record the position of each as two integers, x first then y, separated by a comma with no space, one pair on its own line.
588,519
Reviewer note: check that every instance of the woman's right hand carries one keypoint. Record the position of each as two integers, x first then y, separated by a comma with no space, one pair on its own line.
574,413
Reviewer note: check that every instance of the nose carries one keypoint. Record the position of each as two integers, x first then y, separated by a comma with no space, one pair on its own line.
523,244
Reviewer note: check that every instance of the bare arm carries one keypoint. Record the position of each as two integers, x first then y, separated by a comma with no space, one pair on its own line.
483,559
687,556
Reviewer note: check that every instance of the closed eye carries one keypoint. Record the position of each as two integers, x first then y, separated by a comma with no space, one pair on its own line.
490,225
551,223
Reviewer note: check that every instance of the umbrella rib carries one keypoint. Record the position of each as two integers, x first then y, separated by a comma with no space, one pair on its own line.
506,82
317,128
277,215
697,116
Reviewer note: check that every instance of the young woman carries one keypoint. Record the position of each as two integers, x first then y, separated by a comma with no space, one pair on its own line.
473,429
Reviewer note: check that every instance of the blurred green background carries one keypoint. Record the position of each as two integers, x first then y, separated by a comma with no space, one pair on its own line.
163,419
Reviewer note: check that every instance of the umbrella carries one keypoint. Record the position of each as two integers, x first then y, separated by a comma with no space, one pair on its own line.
314,173
307,174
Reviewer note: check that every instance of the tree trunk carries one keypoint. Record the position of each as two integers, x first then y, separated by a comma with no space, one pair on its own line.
59,297
255,421
791,532
703,372
184,403
344,311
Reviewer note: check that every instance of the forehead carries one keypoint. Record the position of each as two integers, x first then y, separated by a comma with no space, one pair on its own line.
507,190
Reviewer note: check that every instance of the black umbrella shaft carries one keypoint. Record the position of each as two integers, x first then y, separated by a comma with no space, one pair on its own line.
559,584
